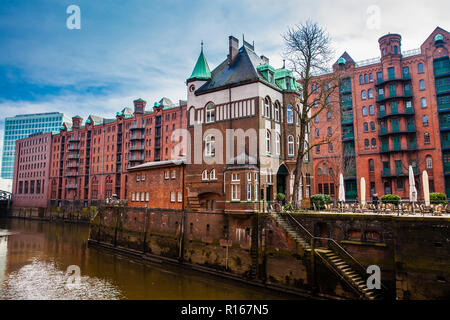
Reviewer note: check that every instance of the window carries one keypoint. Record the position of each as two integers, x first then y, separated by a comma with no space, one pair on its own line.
180,197
372,126
395,50
426,137
235,192
249,192
249,177
422,84
374,143
210,150
277,112
370,77
268,141
277,144
212,174
133,196
316,119
330,147
328,116
290,114
318,149
429,162
371,110
166,174
425,121
173,174
366,143
267,107
366,79
366,127
255,191
361,79
423,102
291,146
420,68
205,175
172,196
330,133
363,95
317,131
210,113
364,111
370,93
235,177
371,165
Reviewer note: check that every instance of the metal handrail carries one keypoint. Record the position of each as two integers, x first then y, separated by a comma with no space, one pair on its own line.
341,249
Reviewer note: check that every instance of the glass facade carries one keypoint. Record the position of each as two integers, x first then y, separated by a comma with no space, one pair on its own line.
21,126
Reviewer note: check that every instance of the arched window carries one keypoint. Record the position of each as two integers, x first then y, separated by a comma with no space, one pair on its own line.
277,144
268,141
363,95
291,146
366,127
210,113
277,111
328,116
108,189
366,79
372,126
210,150
267,107
205,175
290,114
325,169
374,143
364,111
366,143
212,174
319,172
429,162
330,133
371,110
395,49
371,165
370,93
420,68
361,79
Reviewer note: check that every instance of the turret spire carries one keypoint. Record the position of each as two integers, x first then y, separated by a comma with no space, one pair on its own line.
201,69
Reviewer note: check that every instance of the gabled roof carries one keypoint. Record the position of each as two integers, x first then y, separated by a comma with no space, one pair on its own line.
158,164
346,57
242,161
201,70
166,102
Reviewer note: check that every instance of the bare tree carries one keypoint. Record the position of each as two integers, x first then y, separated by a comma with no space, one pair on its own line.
308,52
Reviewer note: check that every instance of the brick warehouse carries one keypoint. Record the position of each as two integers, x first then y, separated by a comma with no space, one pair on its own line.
87,163
243,95
394,112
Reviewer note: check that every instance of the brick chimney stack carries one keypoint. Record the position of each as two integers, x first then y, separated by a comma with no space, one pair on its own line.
233,49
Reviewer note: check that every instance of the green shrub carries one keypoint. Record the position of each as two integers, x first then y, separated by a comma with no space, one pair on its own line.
390,198
281,196
287,207
320,200
438,198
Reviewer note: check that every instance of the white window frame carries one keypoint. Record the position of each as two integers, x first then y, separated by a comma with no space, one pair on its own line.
277,112
142,196
289,114
429,162
205,175
268,142
172,196
180,197
210,113
173,174
235,192
235,177
147,197
255,192
212,175
277,144
267,108
291,147
210,150
166,175
249,192
249,177
133,196
137,197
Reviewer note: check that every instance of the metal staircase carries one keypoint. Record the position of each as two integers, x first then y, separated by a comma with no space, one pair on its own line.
335,257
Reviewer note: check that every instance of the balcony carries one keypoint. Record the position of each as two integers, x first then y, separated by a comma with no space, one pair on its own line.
137,148
133,128
137,138
406,95
403,78
445,143
134,159
441,89
444,107
405,112
347,88
346,103
447,167
71,186
347,118
72,174
384,132
74,139
348,136
73,148
440,72
73,156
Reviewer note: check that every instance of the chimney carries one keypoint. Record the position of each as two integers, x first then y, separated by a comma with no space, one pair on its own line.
265,59
233,49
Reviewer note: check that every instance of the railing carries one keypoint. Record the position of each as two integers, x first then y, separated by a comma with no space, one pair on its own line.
412,52
442,88
444,107
441,71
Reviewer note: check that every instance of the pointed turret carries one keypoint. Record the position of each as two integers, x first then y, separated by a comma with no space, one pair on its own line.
201,69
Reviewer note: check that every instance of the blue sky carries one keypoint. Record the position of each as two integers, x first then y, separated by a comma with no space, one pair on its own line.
128,49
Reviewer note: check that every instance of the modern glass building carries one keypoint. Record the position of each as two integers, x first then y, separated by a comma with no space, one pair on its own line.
21,126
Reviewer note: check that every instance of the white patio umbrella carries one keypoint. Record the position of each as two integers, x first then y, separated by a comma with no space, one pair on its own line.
363,191
426,188
341,188
412,186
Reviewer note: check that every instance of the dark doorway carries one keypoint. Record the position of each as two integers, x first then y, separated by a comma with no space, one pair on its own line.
281,179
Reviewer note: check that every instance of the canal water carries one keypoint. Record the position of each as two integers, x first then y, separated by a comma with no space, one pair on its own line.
40,260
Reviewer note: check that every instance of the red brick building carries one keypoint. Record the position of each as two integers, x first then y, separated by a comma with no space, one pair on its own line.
31,171
89,160
157,185
393,112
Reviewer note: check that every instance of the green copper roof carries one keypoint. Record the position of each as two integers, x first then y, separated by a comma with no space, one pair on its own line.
264,67
342,61
61,128
88,121
77,117
118,114
438,37
201,69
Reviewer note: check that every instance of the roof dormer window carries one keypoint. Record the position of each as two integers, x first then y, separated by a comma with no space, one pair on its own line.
270,77
288,83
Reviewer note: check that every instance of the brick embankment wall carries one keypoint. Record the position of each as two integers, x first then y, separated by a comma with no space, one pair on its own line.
53,213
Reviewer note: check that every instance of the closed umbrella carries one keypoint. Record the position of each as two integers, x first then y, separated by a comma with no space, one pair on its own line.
341,188
412,186
363,191
426,188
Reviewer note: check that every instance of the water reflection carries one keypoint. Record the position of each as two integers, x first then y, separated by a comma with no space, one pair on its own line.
34,257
